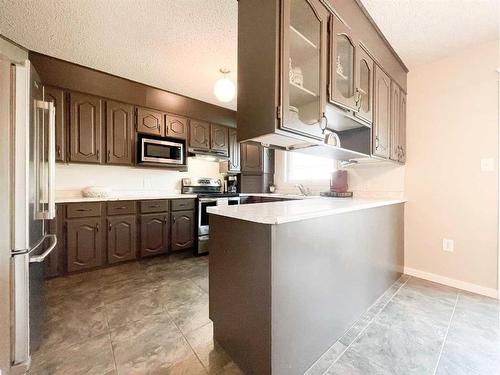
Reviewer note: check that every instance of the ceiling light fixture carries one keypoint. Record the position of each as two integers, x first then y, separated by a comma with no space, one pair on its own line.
224,89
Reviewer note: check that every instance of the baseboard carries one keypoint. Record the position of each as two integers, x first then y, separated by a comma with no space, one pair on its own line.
493,293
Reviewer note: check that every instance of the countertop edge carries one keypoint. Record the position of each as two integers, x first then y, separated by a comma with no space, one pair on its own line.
124,198
275,220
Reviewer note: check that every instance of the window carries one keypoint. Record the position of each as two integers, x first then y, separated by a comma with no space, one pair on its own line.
303,167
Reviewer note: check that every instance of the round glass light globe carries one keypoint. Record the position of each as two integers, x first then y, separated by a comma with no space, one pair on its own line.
224,90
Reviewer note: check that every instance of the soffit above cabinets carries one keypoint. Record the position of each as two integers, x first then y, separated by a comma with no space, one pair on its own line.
174,45
422,31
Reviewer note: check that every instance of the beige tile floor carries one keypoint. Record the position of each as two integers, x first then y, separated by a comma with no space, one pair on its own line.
148,317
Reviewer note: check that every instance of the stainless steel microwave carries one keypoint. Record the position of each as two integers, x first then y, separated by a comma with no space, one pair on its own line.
156,150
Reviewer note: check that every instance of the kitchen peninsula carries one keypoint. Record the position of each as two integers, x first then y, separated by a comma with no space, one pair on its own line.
291,277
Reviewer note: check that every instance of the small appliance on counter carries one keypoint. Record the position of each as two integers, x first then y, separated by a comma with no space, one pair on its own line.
231,184
338,186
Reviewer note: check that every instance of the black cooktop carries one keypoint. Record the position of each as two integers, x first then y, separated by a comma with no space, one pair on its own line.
218,195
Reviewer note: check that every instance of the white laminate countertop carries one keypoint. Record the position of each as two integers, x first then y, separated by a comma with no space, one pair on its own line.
65,198
296,210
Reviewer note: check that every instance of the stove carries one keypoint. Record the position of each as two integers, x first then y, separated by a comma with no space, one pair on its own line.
209,193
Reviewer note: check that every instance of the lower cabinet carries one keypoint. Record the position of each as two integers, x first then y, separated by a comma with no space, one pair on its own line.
122,238
154,234
84,243
182,230
97,234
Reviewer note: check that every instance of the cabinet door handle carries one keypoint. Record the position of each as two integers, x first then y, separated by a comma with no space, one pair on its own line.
174,219
154,206
97,227
166,220
110,227
59,150
109,155
83,209
323,128
120,208
98,154
377,143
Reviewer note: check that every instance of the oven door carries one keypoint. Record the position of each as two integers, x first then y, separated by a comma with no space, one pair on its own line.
203,204
160,151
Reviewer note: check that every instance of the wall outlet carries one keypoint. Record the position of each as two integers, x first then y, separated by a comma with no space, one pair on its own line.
487,165
448,245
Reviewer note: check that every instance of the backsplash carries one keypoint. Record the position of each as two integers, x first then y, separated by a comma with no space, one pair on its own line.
77,176
374,180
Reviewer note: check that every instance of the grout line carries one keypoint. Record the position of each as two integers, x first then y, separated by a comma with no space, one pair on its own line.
446,334
369,324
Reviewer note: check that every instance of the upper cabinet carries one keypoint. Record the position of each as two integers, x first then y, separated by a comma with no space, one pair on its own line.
304,66
219,139
382,113
150,121
234,152
199,135
57,97
398,124
176,126
86,124
342,65
306,69
119,133
364,85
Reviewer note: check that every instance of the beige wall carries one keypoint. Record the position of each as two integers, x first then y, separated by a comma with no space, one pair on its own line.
452,124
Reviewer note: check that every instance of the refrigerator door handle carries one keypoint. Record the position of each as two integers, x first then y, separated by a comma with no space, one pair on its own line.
40,258
45,159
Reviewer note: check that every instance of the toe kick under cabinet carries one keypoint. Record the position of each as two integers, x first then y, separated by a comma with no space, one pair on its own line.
98,234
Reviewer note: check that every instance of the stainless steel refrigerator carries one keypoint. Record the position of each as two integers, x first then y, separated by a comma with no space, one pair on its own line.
29,129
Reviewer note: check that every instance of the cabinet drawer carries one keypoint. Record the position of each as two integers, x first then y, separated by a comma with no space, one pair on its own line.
121,208
75,210
154,206
182,204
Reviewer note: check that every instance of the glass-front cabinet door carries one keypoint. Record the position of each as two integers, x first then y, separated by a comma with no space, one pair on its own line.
364,85
304,28
342,65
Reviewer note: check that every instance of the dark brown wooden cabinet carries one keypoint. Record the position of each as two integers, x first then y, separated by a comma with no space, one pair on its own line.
342,65
199,135
154,234
57,97
402,129
304,66
176,127
119,144
364,85
251,158
219,139
122,238
234,152
395,148
54,263
83,243
256,159
382,114
182,230
150,121
86,124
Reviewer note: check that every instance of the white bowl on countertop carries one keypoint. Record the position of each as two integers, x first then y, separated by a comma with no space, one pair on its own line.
97,192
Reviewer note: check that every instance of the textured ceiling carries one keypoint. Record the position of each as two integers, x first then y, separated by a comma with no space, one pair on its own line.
422,31
177,45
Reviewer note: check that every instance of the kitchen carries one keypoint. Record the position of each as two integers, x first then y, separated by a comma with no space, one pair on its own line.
306,188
